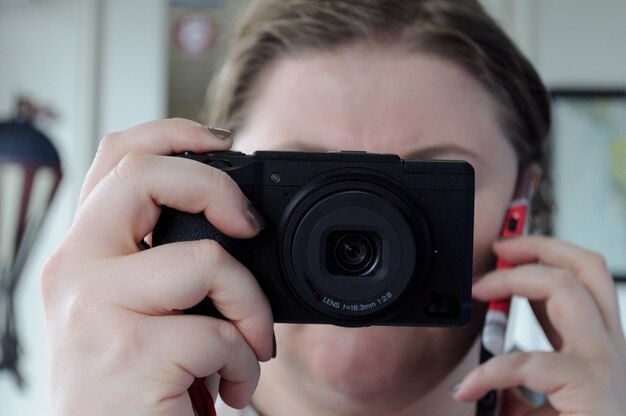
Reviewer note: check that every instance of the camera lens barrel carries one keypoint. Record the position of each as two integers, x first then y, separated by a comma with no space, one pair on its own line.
353,248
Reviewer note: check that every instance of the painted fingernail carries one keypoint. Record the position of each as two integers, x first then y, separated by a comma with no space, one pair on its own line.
455,389
254,217
273,345
222,134
143,245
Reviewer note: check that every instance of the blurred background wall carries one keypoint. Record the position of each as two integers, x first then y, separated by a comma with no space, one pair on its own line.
105,65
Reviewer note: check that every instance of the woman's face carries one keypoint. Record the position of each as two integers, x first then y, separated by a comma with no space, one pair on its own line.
382,101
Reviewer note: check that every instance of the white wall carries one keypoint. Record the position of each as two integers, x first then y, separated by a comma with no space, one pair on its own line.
133,86
101,65
581,42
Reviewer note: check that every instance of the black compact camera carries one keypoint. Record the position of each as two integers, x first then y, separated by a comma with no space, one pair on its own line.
353,239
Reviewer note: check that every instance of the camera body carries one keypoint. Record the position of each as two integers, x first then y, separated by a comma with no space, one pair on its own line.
353,239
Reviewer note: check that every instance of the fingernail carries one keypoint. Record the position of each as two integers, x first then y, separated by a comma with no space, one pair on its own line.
273,345
220,133
455,389
143,245
254,217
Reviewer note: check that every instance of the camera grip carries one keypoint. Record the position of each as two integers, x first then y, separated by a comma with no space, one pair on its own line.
174,226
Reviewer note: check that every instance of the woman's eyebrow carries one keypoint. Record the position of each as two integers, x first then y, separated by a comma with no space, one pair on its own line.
434,151
428,152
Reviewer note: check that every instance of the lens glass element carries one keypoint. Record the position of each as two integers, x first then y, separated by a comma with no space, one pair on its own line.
354,253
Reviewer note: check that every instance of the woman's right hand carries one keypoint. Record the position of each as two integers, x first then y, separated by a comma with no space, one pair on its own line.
118,342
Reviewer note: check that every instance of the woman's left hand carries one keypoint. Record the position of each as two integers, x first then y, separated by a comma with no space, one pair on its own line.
575,301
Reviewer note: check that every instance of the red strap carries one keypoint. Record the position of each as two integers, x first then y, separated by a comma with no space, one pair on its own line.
201,398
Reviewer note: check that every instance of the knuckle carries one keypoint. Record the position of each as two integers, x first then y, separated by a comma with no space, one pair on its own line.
597,261
132,165
229,334
120,350
134,338
480,373
74,312
565,280
522,358
74,309
52,276
218,178
222,180
208,255
110,143
554,308
133,160
51,269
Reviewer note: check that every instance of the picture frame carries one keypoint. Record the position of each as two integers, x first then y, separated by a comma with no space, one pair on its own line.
589,171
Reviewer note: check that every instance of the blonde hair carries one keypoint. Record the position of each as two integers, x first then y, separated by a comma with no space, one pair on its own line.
457,30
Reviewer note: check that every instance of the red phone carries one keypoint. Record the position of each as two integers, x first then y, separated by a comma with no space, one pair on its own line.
492,338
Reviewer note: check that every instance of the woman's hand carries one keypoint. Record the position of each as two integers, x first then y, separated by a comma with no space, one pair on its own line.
119,344
574,299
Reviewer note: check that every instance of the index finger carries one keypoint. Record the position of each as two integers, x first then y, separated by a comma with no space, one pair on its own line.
159,137
589,267
125,206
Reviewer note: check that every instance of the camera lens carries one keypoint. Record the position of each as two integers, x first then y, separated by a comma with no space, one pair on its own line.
354,253
350,253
